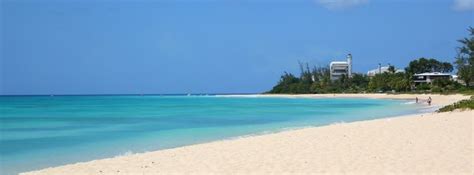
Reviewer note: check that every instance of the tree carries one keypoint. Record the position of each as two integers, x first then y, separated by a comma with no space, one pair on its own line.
321,79
465,59
446,67
305,73
398,82
423,65
359,81
379,82
286,83
391,69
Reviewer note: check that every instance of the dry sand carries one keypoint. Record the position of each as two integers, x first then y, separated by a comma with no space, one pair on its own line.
434,143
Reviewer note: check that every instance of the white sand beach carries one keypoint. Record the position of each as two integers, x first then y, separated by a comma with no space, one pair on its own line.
430,143
438,100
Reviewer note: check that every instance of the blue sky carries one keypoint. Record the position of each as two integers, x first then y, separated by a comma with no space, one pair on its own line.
220,46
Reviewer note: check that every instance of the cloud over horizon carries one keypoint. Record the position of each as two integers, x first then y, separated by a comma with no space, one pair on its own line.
341,4
463,5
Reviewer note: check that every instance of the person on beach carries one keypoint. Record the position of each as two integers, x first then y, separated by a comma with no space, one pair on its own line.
429,101
416,99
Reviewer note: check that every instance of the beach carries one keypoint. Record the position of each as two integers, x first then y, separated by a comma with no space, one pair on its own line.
428,143
438,100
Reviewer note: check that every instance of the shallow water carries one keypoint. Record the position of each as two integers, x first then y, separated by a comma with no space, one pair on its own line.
42,131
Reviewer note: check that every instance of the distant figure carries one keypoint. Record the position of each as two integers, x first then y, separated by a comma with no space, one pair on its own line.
416,99
429,101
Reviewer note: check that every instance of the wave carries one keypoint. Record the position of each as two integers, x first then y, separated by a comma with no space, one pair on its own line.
126,153
409,103
242,96
429,109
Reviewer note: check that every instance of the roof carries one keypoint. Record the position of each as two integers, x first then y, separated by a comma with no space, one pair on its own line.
339,62
383,69
433,74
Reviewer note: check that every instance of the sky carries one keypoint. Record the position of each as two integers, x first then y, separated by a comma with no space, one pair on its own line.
211,46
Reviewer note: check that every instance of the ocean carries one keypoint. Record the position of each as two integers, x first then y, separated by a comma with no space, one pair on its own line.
43,131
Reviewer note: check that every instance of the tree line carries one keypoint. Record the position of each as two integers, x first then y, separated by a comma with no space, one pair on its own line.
316,79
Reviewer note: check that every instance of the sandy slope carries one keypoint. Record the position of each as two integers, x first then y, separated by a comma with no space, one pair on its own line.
422,143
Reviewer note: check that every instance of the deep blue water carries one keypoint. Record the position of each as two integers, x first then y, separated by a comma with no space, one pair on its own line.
42,131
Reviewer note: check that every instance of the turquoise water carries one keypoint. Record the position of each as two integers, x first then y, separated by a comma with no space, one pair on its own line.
42,131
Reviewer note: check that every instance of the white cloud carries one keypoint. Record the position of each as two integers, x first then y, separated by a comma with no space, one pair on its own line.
341,4
463,5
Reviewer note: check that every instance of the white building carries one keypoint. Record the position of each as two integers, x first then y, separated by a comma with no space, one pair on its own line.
339,68
381,69
428,77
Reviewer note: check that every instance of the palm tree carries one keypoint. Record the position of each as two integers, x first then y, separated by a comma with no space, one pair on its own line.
465,59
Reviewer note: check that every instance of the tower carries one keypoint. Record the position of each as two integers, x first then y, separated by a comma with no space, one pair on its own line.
349,65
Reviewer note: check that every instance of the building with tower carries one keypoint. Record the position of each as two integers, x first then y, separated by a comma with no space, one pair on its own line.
340,68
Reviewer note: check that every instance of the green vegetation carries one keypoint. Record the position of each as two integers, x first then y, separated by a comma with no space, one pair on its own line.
463,104
465,59
388,81
467,91
317,80
428,65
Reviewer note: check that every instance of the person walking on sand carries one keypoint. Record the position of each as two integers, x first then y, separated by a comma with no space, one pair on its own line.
416,99
429,101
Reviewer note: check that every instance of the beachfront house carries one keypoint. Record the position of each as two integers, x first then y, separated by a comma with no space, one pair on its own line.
339,68
429,77
381,69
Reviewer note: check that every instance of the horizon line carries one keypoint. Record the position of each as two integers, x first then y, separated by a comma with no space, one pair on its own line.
132,94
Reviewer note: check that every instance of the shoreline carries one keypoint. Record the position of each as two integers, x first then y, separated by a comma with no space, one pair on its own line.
438,99
234,154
